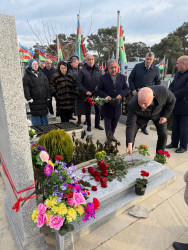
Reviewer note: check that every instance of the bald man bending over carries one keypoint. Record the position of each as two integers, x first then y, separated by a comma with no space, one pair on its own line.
154,103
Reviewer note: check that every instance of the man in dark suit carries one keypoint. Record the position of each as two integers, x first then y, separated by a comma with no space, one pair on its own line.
179,88
87,80
144,74
113,87
155,103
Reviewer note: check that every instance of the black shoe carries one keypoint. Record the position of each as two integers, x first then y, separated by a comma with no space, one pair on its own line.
180,150
99,127
89,128
144,130
85,123
180,246
171,146
72,118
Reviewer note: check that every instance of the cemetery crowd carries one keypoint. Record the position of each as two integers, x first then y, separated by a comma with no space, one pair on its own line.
75,85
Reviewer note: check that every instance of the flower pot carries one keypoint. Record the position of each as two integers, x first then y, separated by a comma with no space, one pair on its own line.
140,191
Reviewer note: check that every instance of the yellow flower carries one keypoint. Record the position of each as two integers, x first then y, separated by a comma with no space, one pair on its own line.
48,213
80,209
61,209
69,218
103,152
29,137
72,213
34,214
34,132
51,202
50,163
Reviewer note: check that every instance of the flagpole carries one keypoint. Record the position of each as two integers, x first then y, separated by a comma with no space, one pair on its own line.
118,30
78,18
164,68
57,48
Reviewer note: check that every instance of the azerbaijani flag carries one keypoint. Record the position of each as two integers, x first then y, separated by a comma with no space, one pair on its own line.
122,54
25,54
161,65
79,42
43,56
60,53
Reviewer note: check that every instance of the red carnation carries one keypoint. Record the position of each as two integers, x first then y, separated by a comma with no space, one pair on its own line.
144,173
105,173
97,174
90,169
34,145
83,170
89,99
103,179
91,103
70,195
159,151
96,203
97,178
103,184
94,188
58,158
88,193
100,163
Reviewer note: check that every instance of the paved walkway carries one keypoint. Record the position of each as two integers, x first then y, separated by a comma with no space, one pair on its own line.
168,213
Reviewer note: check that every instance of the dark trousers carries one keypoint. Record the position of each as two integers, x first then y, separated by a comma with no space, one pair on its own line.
65,115
161,132
88,114
50,107
180,130
110,125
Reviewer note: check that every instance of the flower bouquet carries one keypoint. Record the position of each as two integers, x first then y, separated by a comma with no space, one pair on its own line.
143,150
65,199
32,133
161,156
141,183
96,100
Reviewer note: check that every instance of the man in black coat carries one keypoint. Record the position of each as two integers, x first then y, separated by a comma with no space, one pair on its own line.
48,70
179,88
113,87
88,78
154,103
144,74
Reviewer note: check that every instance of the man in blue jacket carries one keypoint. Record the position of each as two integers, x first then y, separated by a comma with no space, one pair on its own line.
113,87
144,74
179,88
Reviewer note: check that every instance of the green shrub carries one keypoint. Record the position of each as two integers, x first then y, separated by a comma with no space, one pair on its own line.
57,142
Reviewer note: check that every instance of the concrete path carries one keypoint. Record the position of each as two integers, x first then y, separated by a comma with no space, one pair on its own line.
168,213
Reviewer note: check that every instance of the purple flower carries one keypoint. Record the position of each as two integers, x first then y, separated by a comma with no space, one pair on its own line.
61,194
41,148
56,171
48,170
58,199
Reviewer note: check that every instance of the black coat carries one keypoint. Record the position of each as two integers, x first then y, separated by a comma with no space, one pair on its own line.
179,88
73,72
141,77
36,88
164,102
88,78
106,88
49,72
63,87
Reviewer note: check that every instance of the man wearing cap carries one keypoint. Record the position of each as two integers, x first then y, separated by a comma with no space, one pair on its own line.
36,91
48,70
113,87
144,74
88,78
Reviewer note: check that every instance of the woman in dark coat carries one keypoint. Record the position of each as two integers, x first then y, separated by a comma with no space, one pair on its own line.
37,93
63,87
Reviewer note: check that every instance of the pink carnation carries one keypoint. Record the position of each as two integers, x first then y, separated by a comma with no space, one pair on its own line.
78,199
44,156
70,202
41,219
159,151
56,221
42,208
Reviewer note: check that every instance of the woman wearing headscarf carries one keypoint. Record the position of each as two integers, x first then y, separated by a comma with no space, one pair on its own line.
63,87
37,93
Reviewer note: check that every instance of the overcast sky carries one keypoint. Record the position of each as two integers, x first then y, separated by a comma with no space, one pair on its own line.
148,21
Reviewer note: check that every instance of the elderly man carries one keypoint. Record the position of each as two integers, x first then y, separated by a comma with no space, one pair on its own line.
113,87
88,78
155,103
48,70
179,88
144,74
